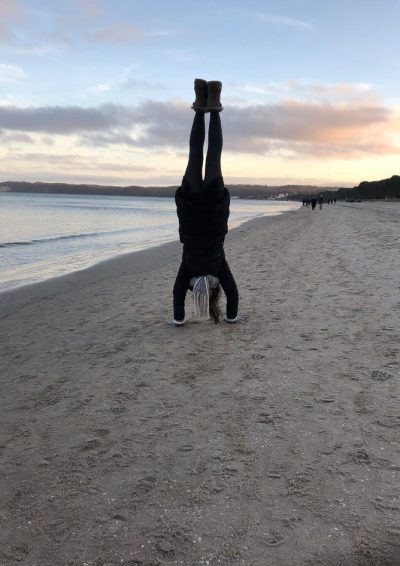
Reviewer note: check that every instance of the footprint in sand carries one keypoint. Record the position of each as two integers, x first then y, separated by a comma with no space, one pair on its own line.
186,377
359,456
362,402
385,505
90,444
27,377
102,432
274,538
78,404
265,418
166,549
118,409
257,356
298,485
49,395
144,485
186,448
380,376
17,553
389,421
171,539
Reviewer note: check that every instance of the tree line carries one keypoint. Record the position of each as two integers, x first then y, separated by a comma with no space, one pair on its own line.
369,190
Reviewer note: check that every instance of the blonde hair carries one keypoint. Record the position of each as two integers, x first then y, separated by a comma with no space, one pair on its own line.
206,292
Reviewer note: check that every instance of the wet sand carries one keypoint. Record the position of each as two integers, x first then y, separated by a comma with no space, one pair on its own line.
275,441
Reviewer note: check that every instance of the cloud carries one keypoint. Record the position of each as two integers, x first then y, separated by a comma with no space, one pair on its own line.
66,161
52,29
106,139
283,21
151,125
277,20
289,128
15,137
8,100
35,50
350,150
293,120
22,41
293,129
11,12
116,33
125,82
296,88
11,73
82,168
121,32
64,120
47,140
90,9
133,83
93,14
338,88
179,55
96,178
103,87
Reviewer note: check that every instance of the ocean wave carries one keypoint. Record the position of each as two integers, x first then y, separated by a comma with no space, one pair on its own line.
72,237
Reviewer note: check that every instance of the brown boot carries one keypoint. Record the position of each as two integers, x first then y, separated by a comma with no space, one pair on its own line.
200,89
214,96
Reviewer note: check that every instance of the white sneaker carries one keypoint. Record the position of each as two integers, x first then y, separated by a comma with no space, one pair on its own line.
231,320
179,322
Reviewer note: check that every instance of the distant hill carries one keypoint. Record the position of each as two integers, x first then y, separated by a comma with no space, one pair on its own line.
70,189
386,188
241,191
383,189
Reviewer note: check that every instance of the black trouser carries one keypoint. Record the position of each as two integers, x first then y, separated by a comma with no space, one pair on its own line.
194,170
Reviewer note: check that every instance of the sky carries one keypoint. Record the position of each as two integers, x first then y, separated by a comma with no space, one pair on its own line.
99,91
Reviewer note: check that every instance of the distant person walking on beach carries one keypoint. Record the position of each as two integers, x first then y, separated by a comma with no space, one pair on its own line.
313,203
203,211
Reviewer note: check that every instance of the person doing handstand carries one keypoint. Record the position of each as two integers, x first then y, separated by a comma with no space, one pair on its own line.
203,211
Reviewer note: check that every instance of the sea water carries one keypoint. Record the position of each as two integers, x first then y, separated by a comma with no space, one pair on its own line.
47,235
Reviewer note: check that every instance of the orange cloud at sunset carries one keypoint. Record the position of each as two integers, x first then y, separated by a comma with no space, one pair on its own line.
139,137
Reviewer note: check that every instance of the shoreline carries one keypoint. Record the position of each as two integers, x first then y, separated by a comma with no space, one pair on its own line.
142,260
37,277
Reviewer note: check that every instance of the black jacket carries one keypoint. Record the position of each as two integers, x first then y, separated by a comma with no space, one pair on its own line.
203,220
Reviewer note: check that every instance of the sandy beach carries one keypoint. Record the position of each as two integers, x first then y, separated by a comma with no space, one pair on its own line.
275,441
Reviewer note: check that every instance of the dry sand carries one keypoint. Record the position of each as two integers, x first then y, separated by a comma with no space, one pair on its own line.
275,441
